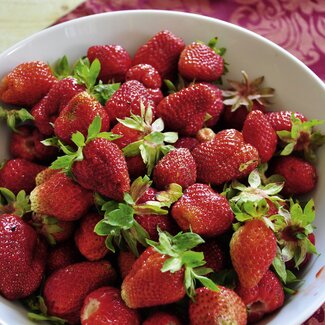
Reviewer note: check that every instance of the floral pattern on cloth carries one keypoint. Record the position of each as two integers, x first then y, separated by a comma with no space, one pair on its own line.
296,25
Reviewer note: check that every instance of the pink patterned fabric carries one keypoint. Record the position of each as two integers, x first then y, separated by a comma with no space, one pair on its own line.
296,25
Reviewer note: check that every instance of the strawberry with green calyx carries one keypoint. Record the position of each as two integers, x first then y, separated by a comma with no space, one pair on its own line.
242,98
61,68
119,218
165,272
151,143
15,116
10,203
301,137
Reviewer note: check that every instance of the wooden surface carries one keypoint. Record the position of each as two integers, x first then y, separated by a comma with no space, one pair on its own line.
21,18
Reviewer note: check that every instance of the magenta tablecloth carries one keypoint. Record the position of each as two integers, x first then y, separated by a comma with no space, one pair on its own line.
296,25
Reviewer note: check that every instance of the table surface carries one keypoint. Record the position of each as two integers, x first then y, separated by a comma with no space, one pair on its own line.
296,25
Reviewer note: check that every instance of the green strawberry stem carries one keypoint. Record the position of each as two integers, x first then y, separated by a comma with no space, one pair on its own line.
14,116
16,204
179,248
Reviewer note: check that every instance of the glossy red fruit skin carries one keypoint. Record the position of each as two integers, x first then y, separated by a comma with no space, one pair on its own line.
78,115
26,144
127,99
146,74
90,245
19,174
290,167
220,160
162,52
105,306
156,95
200,63
22,258
125,261
114,62
178,166
136,166
252,250
186,142
264,298
48,108
128,135
103,169
258,132
146,286
26,84
66,288
217,307
185,111
61,197
162,318
203,210
281,120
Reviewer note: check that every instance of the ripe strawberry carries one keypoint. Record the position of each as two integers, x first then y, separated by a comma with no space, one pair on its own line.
289,167
204,211
263,298
157,278
128,98
146,74
45,175
162,318
281,121
114,61
66,288
224,158
10,203
22,258
78,115
217,307
187,110
61,197
162,52
178,166
258,132
156,95
244,97
26,84
125,261
128,135
252,250
186,142
26,144
200,62
62,255
88,242
105,306
136,166
19,174
49,107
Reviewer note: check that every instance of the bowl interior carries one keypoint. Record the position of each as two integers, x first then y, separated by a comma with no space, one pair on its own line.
297,88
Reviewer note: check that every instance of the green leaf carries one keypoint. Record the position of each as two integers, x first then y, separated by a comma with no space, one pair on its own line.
78,139
94,128
172,194
109,136
309,212
155,137
139,187
63,162
186,241
128,199
102,228
254,179
24,115
87,73
170,137
61,68
208,283
288,149
172,265
103,92
133,149
279,266
122,217
54,141
193,259
158,126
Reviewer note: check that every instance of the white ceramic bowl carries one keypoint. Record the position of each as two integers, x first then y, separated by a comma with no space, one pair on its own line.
297,88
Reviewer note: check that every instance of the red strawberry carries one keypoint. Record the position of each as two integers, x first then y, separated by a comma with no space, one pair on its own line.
186,142
66,288
26,144
88,242
61,256
178,166
258,132
44,175
128,135
290,167
281,121
146,74
136,166
78,115
105,306
162,318
156,95
223,306
114,61
244,97
61,197
186,110
26,84
252,250
127,99
47,109
204,211
162,52
264,298
103,169
200,62
22,258
125,261
19,174
224,158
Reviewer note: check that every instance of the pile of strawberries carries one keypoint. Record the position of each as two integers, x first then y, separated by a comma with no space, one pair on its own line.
139,192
